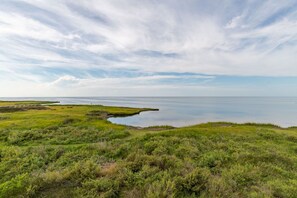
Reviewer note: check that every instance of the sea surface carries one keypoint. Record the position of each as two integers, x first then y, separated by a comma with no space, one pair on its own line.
184,111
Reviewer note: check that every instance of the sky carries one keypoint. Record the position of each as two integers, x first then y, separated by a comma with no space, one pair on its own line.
148,48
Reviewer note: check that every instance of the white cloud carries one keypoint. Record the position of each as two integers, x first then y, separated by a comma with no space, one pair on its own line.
112,82
233,23
14,24
252,39
65,81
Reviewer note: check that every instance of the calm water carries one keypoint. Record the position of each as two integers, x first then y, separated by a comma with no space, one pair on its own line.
182,111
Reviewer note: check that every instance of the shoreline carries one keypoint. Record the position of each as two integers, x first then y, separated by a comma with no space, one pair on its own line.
14,104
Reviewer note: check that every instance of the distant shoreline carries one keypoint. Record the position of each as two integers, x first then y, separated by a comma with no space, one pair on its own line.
22,103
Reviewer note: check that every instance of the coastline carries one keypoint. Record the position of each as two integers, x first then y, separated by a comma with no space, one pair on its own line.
21,105
74,151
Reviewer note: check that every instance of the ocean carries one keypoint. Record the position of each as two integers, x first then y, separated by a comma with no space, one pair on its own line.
184,111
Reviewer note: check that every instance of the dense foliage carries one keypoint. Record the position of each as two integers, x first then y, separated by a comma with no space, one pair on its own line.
62,151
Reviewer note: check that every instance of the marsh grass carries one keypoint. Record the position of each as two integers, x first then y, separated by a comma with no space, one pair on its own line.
61,152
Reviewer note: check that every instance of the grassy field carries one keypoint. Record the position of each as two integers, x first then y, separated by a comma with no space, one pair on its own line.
50,150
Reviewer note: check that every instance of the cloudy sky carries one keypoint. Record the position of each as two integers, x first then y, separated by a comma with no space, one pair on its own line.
148,48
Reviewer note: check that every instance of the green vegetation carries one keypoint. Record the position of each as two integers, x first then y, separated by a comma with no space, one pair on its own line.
73,151
27,102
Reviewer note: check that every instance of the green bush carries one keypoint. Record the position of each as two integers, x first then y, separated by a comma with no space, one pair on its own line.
103,187
193,183
15,187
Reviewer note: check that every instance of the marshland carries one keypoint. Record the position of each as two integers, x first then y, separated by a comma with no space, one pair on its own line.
53,150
